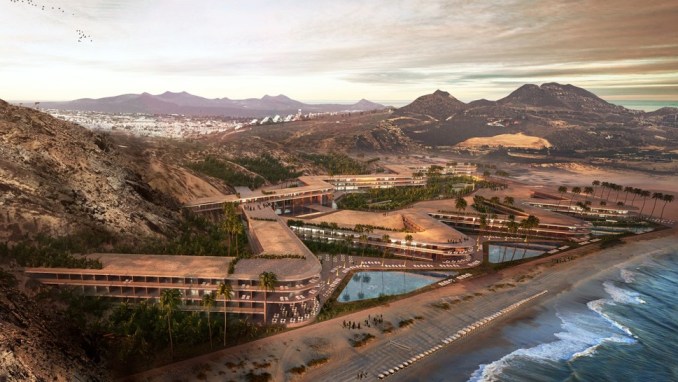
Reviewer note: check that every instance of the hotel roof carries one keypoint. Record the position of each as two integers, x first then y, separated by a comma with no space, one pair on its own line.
274,238
152,265
432,231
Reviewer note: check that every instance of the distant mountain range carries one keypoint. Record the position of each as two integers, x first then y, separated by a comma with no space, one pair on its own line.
189,104
567,116
553,96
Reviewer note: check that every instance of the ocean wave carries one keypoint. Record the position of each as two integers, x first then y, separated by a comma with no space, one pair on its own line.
628,276
595,332
582,334
592,349
597,306
621,295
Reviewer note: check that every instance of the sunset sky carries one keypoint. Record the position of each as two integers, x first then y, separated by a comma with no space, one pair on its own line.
337,50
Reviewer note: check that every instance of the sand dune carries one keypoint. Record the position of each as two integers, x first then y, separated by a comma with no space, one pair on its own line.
507,140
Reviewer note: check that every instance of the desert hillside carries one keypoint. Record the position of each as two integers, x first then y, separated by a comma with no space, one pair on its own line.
36,343
57,178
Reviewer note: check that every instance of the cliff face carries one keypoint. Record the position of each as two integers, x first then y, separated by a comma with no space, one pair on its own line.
57,177
35,345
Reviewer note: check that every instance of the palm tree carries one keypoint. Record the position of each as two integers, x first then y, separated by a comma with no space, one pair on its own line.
170,299
575,191
408,239
228,224
363,240
512,228
386,239
636,192
667,199
611,187
656,196
237,229
208,303
595,184
618,188
267,282
644,194
225,290
604,186
460,204
348,241
627,189
529,223
562,190
483,226
588,191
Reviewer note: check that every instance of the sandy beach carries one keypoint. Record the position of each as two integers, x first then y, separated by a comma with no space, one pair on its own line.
464,302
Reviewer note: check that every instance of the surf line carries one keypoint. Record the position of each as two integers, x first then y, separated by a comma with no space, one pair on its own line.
459,335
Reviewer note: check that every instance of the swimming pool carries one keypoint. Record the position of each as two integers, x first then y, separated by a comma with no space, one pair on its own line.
366,285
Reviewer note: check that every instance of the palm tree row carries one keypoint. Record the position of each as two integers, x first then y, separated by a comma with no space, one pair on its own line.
610,187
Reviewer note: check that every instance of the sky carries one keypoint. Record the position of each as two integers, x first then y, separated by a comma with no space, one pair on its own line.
336,50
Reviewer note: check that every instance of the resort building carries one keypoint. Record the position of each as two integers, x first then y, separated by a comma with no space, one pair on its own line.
410,234
551,225
319,190
579,208
307,191
292,301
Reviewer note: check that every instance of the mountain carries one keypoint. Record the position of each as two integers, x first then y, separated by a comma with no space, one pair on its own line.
566,116
58,178
189,104
439,105
554,95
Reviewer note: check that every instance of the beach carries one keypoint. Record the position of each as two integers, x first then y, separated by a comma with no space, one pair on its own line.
562,335
434,316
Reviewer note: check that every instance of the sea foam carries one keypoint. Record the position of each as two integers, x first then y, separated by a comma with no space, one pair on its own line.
621,295
628,276
581,336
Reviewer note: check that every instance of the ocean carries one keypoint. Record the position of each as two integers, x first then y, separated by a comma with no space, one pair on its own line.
645,105
621,328
621,325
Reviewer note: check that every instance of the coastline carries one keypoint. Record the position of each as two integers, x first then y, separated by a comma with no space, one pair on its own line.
533,330
328,339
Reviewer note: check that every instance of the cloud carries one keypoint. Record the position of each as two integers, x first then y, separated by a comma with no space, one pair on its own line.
404,45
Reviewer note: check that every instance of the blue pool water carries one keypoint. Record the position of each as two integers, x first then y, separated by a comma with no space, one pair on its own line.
500,253
366,285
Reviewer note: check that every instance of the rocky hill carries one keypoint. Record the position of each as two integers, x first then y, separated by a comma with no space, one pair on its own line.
565,116
189,104
554,95
438,105
37,345
57,178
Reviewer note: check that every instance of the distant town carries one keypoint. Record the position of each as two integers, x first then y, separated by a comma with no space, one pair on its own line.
176,125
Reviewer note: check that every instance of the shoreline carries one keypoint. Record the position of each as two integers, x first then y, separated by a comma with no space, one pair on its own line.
329,340
535,325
